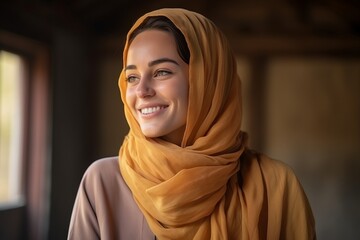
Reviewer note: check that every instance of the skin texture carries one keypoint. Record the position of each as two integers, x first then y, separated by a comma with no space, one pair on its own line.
157,85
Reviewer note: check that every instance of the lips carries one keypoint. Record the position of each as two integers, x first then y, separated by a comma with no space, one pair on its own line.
150,110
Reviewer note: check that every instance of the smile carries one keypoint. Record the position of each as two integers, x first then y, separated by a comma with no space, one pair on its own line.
151,110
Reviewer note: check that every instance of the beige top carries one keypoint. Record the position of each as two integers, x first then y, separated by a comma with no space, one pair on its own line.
104,207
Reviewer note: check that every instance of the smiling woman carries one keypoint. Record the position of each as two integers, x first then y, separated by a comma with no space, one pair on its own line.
184,170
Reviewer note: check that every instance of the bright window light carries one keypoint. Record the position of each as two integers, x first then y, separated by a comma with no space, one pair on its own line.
12,76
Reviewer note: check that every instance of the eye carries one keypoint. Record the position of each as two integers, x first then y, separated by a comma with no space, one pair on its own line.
161,73
131,79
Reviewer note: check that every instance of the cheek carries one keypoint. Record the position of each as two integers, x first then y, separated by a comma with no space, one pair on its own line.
130,99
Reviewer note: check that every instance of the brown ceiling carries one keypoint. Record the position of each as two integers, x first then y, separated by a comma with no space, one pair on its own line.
234,16
253,26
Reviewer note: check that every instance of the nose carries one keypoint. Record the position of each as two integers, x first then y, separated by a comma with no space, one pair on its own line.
145,88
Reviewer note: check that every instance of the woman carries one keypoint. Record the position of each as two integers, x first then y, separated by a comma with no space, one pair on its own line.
184,170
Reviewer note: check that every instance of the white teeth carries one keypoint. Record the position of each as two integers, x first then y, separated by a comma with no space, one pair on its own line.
150,110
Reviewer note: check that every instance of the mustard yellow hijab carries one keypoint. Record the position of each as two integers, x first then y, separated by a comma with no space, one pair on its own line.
192,191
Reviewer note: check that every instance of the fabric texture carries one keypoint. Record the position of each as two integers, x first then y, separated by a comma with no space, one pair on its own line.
192,191
104,207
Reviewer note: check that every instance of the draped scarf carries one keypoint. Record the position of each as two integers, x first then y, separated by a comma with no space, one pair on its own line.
191,191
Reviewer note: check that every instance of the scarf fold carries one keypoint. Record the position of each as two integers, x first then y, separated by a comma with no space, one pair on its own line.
191,191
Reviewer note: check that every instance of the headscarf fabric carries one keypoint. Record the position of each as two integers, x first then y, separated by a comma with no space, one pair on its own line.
192,191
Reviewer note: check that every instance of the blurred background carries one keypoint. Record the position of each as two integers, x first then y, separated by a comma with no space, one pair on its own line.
60,106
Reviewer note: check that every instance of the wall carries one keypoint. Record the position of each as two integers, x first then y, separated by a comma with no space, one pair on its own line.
112,124
311,121
73,119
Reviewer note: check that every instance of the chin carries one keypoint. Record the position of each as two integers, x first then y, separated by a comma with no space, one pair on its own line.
150,134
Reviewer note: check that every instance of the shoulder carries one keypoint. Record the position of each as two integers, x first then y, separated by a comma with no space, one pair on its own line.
103,168
286,194
102,182
276,175
271,167
104,206
275,168
279,176
268,167
283,196
103,164
103,175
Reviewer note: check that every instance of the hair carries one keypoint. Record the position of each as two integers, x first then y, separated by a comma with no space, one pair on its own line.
164,24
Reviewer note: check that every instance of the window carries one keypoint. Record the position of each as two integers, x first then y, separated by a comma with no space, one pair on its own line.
24,137
12,77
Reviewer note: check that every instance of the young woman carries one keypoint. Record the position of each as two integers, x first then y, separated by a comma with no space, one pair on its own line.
184,170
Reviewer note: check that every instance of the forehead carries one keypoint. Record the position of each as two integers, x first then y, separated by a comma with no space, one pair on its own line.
152,43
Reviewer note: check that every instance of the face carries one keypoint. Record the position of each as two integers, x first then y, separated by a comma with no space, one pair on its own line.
157,85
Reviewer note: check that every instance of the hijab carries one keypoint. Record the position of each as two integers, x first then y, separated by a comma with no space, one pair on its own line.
192,191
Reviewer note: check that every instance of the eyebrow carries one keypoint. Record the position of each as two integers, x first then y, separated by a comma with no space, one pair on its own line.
152,63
